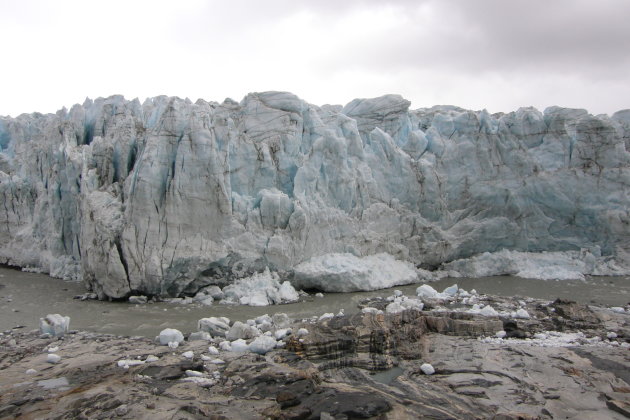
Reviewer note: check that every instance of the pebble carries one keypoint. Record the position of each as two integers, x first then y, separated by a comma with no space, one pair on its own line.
122,410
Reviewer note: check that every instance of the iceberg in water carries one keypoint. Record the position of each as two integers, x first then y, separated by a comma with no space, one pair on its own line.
348,273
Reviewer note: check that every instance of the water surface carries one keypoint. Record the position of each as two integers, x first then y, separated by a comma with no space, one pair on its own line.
25,297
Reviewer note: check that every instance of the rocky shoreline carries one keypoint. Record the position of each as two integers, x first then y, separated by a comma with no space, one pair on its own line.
562,360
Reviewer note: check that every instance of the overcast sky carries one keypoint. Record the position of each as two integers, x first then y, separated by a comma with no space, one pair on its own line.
493,54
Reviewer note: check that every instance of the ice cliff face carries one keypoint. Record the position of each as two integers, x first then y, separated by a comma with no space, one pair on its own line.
167,196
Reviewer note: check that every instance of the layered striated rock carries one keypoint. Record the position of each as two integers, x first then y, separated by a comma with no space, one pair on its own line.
169,196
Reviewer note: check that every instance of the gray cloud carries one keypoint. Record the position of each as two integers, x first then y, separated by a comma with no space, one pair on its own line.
484,53
573,36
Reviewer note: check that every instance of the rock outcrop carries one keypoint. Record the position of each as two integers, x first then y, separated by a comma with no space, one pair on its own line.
168,196
345,367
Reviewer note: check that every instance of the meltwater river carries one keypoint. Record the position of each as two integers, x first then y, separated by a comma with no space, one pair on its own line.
25,297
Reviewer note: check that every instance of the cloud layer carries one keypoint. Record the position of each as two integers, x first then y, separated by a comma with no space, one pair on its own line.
492,54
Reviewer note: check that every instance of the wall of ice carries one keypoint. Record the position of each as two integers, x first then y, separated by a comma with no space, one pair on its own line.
166,196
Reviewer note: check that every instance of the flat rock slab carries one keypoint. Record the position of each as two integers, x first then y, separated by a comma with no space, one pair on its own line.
328,373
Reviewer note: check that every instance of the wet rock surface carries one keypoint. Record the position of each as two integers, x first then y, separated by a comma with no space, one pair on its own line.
558,363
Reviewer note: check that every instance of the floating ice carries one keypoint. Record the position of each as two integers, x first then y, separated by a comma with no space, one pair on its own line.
427,292
213,350
327,315
140,300
451,290
348,273
188,354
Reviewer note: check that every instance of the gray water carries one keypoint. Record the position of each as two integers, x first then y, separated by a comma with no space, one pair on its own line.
25,297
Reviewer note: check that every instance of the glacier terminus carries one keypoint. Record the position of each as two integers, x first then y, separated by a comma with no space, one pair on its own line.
165,197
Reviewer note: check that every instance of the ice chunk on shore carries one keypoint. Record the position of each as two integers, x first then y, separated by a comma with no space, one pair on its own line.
281,320
199,336
488,311
54,324
521,313
427,369
239,345
349,273
260,289
262,344
216,327
241,330
53,358
394,308
170,335
412,304
451,290
126,363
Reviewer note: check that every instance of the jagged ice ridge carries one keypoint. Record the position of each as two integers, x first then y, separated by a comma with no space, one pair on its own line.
167,196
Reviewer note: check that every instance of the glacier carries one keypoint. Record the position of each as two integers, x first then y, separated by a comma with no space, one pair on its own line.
168,196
